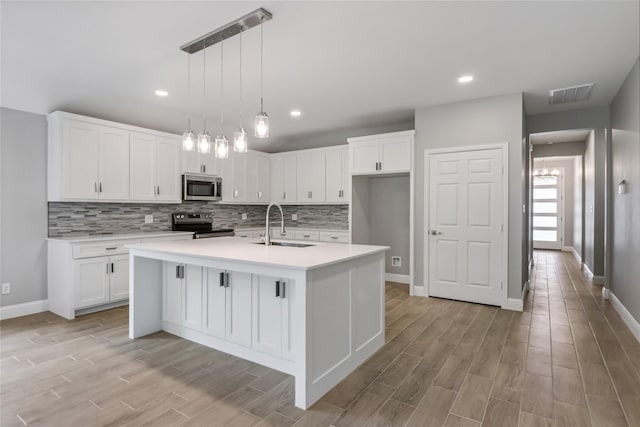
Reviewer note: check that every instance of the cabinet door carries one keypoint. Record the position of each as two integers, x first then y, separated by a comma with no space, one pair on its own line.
263,187
142,167
214,305
239,180
91,281
114,164
333,172
239,308
171,293
290,179
365,156
251,176
119,277
168,170
346,177
288,295
267,315
316,176
191,162
395,155
79,160
209,164
277,179
192,297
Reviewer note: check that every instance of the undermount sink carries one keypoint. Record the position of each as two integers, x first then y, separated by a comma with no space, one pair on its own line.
288,244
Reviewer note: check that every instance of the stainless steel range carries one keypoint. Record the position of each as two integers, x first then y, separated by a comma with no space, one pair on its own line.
201,224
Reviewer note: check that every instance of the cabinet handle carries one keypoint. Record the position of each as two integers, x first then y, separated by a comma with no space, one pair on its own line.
283,289
309,193
235,194
100,188
107,268
306,235
222,279
158,190
259,194
112,248
334,237
177,271
277,288
226,280
112,267
284,195
95,187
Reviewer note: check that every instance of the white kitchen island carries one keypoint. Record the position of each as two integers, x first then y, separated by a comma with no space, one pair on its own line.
313,312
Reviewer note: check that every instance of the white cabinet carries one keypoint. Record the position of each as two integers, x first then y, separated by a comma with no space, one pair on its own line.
284,178
227,306
306,235
311,176
100,280
182,295
337,175
113,166
195,162
387,153
172,292
245,178
154,168
238,177
262,179
334,236
272,301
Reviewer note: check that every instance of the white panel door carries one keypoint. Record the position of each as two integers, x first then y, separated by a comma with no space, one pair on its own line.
251,176
191,162
209,164
466,256
119,277
277,179
214,304
79,160
239,180
91,281
395,155
239,308
290,179
172,293
333,175
316,176
114,164
365,157
142,170
267,315
263,187
192,297
168,170
547,211
288,295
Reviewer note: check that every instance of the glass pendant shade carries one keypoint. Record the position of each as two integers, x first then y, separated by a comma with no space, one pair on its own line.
221,149
262,125
240,141
204,142
189,140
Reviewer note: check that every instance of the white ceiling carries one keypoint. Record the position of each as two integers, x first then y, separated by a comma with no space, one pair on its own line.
343,64
560,136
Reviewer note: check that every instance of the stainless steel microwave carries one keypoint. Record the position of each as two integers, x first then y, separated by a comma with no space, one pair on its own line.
197,186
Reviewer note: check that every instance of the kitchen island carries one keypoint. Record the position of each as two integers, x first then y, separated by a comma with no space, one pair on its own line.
315,312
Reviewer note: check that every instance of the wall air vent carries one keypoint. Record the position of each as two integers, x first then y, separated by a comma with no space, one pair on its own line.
567,95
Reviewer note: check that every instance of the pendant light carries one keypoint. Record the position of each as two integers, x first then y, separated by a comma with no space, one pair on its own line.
221,149
188,137
240,136
261,124
204,139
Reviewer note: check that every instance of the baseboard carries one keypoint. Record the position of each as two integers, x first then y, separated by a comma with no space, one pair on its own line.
419,291
567,249
627,318
398,278
596,280
576,255
24,309
517,304
605,293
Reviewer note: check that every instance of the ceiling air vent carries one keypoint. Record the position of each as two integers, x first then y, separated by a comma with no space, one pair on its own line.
566,95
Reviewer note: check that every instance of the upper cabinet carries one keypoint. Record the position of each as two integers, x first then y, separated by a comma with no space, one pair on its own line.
194,162
245,178
385,153
284,178
154,172
311,174
337,177
95,160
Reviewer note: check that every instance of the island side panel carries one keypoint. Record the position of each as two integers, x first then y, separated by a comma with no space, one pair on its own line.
345,315
145,296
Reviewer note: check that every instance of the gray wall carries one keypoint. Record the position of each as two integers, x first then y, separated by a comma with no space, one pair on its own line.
389,214
483,121
564,149
23,226
625,150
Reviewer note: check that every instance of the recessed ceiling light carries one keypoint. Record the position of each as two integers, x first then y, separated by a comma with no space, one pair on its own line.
295,113
465,79
161,92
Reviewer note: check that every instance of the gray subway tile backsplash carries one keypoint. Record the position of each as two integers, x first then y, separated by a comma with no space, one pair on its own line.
86,218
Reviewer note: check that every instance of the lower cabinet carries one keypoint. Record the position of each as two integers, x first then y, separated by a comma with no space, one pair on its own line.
272,302
182,294
100,280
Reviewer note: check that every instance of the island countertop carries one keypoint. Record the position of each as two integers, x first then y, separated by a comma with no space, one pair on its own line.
320,254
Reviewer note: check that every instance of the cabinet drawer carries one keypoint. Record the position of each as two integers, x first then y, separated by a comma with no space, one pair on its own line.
166,238
88,250
328,236
275,234
306,235
245,233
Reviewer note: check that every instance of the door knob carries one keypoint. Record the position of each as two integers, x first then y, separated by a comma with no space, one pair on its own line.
435,232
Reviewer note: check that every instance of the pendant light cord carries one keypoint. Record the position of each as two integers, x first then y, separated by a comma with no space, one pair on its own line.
222,85
261,71
189,89
240,77
204,84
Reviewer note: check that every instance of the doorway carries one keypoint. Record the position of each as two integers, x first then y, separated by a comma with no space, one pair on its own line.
548,208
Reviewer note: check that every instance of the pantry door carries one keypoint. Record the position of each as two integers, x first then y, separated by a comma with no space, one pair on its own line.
466,218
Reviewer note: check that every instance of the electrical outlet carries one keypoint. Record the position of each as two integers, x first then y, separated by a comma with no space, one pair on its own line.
294,217
244,217
396,261
6,288
148,219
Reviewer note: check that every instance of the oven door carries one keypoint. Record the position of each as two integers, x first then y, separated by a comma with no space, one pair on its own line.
201,187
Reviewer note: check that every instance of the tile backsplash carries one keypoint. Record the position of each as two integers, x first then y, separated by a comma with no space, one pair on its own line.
86,218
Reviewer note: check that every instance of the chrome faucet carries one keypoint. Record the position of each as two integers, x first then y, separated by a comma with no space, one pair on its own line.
267,237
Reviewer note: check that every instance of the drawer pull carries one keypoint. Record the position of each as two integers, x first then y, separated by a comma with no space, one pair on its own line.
112,248
334,237
277,289
306,235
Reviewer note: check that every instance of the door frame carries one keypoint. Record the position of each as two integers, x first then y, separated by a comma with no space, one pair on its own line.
504,147
561,209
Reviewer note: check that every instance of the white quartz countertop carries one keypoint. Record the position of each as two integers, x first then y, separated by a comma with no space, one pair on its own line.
237,249
107,237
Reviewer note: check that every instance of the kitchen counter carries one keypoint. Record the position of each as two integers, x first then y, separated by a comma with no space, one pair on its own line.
106,237
314,312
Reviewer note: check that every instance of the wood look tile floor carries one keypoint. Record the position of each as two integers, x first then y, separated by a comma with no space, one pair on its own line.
567,360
